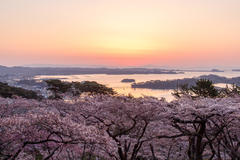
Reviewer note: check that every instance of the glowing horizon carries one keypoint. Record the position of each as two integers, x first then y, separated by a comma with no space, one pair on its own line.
121,33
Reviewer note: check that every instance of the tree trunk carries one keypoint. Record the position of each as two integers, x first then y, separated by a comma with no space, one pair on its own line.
196,149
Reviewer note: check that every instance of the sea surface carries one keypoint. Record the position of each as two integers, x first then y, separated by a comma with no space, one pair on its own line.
114,81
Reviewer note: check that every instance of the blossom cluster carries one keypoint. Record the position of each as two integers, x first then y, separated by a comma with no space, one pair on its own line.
121,128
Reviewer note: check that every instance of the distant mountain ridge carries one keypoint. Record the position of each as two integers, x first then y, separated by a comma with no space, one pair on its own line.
77,70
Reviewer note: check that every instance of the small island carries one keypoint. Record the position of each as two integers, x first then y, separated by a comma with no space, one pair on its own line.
216,70
236,70
128,80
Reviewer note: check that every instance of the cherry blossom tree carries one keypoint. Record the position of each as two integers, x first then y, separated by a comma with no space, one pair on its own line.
37,130
208,125
121,128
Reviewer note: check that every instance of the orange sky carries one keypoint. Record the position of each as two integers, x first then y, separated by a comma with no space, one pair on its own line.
120,32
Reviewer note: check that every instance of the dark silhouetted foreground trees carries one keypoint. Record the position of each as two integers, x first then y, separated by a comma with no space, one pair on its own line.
7,91
60,88
202,88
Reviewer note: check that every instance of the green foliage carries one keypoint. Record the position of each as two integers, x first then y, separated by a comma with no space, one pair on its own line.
38,155
184,90
7,91
58,87
92,87
230,91
203,88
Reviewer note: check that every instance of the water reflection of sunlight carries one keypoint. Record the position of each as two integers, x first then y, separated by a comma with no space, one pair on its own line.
114,81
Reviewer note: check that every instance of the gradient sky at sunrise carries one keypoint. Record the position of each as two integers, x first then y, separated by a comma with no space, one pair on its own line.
120,32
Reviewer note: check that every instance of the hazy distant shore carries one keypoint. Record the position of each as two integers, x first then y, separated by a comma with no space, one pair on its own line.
174,84
73,71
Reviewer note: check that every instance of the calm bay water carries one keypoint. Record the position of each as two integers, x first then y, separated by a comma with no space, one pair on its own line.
114,81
